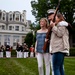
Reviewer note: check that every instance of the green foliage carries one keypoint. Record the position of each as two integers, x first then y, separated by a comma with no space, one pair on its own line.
40,7
34,40
72,52
68,10
13,53
38,27
34,28
29,39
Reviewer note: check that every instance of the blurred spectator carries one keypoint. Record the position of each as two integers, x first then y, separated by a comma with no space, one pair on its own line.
8,52
1,51
19,50
25,49
11,48
31,51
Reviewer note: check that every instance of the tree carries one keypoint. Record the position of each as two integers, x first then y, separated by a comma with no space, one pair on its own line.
29,39
40,7
34,27
68,10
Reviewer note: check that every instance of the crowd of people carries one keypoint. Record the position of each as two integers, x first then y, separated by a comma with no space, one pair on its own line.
21,51
7,48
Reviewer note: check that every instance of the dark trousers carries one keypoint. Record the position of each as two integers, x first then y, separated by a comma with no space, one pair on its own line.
58,60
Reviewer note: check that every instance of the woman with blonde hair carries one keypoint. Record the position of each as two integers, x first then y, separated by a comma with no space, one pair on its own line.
40,54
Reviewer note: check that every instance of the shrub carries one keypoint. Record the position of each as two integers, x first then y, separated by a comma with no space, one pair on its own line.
72,52
13,53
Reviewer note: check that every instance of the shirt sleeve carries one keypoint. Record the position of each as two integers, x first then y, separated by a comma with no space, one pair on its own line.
59,31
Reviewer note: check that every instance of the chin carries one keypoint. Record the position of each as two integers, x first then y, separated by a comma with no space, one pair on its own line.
41,25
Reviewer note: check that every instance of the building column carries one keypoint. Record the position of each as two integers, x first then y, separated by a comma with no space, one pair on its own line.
20,38
11,41
2,39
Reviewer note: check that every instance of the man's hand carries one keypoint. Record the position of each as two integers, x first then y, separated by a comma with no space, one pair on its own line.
46,40
52,24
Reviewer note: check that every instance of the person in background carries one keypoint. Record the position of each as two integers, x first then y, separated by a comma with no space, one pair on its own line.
21,51
11,48
31,51
7,48
18,50
1,51
40,54
25,50
59,43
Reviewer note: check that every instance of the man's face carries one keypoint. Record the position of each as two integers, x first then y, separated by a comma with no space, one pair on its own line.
50,17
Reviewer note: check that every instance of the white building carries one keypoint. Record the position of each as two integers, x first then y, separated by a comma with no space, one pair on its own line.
13,27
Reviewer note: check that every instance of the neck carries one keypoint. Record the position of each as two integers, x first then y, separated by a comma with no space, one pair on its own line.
43,28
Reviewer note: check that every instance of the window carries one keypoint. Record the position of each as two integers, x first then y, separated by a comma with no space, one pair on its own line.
3,27
10,17
14,43
3,16
10,27
22,28
6,39
17,17
15,40
17,28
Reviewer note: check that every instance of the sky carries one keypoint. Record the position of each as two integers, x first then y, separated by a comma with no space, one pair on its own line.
18,5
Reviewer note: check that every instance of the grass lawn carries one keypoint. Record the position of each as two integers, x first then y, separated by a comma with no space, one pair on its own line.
28,66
